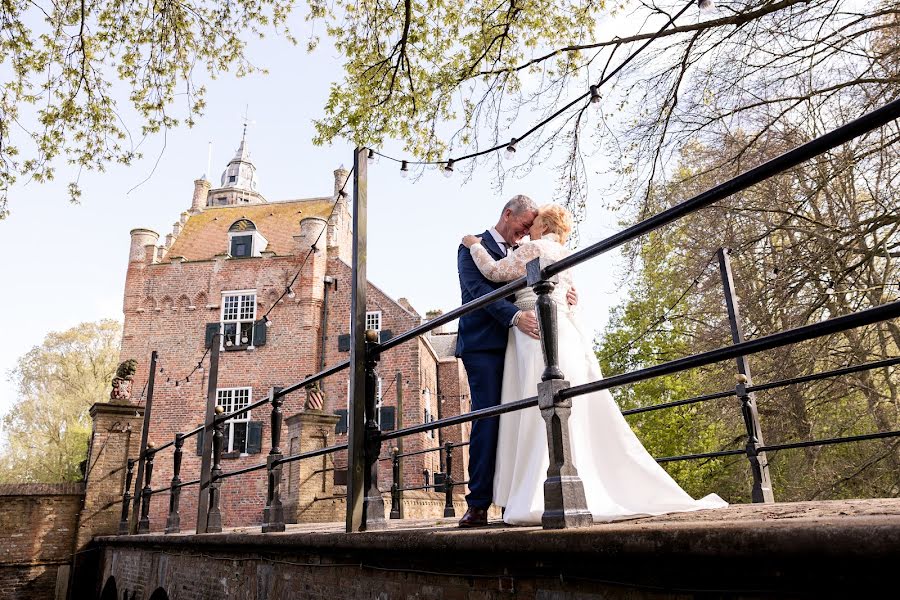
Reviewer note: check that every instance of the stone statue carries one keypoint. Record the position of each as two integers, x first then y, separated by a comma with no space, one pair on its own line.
315,399
121,383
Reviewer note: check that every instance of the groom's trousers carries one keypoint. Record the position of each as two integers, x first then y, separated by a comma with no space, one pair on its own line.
485,373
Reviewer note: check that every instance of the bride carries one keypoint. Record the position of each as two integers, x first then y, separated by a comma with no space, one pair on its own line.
620,478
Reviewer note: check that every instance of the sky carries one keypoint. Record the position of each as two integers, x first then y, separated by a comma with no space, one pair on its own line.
65,264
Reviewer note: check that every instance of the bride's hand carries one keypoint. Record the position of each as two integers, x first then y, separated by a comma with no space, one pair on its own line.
470,240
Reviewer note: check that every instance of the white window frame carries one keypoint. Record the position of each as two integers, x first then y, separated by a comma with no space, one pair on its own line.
230,406
374,317
240,320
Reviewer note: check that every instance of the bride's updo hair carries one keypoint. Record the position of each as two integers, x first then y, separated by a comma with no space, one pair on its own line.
555,219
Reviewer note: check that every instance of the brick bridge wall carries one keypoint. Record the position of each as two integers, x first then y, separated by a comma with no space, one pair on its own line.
750,552
38,523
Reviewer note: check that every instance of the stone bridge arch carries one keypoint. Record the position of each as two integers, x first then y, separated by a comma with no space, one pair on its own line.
110,591
159,594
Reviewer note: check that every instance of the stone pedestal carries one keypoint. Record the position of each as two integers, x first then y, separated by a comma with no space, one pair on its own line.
309,495
115,437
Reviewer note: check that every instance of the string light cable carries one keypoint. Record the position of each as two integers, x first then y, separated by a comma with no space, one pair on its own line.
593,93
289,290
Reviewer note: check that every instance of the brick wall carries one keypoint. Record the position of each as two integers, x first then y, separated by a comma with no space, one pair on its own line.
37,536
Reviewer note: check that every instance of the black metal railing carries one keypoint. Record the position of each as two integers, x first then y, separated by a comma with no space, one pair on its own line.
564,498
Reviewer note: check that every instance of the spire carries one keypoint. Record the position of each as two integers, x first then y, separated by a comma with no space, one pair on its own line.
241,172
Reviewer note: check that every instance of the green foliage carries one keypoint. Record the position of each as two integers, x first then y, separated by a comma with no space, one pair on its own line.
642,332
47,429
818,241
411,66
61,61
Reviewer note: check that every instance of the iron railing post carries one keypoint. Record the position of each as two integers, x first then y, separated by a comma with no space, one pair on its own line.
395,484
273,514
214,515
212,396
373,504
126,497
356,419
144,522
761,490
565,504
449,510
145,432
173,521
356,438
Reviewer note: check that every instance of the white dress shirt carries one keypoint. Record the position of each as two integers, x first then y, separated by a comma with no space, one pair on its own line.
504,247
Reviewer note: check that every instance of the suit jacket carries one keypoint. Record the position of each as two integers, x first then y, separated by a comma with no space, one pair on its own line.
485,329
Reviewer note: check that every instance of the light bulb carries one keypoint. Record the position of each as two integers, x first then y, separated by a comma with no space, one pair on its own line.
229,343
595,95
267,321
448,169
244,339
404,169
372,157
510,150
290,293
706,6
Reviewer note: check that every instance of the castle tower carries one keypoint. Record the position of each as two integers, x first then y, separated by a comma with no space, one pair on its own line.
240,180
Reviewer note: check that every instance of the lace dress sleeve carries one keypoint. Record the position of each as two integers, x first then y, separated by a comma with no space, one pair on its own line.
507,269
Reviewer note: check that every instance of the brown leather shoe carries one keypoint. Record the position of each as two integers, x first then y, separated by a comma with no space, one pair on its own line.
474,517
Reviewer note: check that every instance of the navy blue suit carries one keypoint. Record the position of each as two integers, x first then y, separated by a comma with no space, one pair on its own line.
481,344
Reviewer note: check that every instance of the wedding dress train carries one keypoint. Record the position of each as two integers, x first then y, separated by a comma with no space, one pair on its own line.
620,478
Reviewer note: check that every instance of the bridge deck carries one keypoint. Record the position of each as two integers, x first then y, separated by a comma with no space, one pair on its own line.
753,551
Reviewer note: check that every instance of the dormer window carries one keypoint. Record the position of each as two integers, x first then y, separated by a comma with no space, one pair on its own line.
244,240
232,178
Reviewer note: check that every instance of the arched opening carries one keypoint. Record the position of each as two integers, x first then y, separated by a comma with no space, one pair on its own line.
110,592
159,594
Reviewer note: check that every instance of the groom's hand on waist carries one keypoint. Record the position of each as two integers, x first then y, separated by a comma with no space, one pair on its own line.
526,321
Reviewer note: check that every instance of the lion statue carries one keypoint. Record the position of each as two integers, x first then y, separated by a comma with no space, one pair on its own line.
121,383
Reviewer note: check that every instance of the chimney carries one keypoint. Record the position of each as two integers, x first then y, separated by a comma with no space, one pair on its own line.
431,315
340,178
140,238
201,192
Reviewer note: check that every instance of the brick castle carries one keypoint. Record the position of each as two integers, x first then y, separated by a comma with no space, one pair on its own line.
227,262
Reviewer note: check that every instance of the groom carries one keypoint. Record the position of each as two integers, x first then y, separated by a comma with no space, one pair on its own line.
481,344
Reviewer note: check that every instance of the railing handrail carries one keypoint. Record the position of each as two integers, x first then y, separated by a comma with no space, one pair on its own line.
883,312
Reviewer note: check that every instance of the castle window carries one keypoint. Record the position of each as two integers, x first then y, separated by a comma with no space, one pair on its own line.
238,316
373,320
232,178
244,240
428,416
242,436
241,245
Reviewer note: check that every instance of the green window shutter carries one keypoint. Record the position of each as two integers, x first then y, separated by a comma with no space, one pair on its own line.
384,335
259,333
254,437
341,426
212,330
199,437
344,343
388,418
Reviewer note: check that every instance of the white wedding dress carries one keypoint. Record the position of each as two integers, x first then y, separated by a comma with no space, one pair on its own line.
621,479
